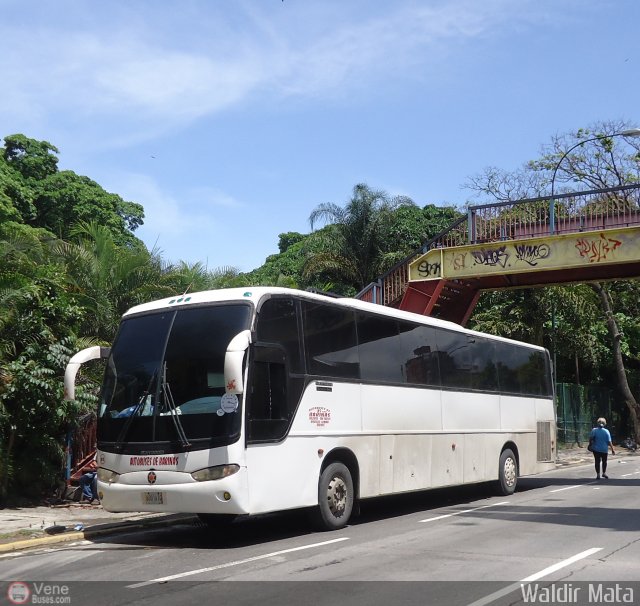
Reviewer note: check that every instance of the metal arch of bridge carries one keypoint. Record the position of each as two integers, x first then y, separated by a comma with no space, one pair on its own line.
576,237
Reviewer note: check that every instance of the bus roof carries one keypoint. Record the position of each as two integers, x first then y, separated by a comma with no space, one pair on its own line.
255,293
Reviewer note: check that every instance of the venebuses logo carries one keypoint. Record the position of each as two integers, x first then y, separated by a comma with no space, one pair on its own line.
18,593
38,593
319,416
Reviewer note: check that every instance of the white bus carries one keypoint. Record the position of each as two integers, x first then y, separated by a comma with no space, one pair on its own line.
246,401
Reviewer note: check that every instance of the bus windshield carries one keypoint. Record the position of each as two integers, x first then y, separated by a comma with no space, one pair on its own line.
165,380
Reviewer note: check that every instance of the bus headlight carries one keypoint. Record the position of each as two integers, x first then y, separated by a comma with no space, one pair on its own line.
215,473
108,476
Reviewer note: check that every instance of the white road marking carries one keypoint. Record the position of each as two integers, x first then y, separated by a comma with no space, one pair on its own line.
560,565
234,563
534,577
457,513
566,488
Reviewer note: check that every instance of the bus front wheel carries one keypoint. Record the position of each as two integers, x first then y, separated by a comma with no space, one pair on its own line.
508,473
335,497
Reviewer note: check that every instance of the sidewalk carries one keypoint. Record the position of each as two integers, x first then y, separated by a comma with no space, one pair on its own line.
25,527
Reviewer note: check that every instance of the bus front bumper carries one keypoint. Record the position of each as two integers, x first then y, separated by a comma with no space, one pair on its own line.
175,492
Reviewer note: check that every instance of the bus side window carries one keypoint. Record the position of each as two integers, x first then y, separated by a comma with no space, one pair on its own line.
277,323
331,341
454,358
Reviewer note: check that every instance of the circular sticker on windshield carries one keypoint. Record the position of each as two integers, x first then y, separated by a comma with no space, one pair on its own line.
229,402
220,412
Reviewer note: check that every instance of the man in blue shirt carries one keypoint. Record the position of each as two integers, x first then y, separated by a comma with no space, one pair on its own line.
600,441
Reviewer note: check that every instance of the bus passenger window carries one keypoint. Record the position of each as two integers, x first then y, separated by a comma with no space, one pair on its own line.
330,339
454,358
419,354
484,372
379,347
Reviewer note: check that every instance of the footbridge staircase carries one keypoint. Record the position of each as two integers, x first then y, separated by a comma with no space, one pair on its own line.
575,237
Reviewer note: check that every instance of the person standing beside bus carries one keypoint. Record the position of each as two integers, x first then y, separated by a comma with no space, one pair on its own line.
600,442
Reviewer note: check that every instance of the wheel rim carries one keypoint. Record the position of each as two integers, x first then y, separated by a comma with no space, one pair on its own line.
509,471
337,495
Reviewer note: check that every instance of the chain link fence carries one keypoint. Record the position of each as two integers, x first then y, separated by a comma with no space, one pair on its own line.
578,407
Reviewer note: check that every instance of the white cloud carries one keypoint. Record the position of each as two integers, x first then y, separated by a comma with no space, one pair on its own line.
165,216
146,79
188,223
211,198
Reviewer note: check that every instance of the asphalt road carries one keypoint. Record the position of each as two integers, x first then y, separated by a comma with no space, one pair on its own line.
563,533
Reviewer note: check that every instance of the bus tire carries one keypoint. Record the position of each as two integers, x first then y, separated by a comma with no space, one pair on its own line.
507,473
216,521
335,497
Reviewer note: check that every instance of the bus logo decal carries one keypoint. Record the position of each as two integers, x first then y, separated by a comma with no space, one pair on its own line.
319,416
151,477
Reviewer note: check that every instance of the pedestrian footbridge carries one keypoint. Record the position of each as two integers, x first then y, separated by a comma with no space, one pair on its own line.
576,237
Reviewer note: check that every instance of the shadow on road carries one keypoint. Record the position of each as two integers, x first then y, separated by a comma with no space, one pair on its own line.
269,528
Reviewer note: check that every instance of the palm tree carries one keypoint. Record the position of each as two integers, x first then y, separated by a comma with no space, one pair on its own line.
192,277
351,247
108,279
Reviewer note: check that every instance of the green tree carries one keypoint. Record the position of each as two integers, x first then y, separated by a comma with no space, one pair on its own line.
35,160
411,226
351,248
37,316
65,199
288,239
32,186
186,277
286,268
56,297
107,279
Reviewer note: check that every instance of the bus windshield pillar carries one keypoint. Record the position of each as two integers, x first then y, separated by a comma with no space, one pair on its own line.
233,362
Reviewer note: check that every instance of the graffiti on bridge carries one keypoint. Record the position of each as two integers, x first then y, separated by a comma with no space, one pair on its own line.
426,269
459,261
532,253
492,257
560,252
597,249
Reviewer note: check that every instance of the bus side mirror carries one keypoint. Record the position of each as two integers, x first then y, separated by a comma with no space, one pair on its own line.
233,371
90,353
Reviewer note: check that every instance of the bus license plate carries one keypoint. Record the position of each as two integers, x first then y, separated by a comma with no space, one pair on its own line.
153,498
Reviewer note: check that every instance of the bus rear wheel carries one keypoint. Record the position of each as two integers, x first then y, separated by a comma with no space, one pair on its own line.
508,472
335,497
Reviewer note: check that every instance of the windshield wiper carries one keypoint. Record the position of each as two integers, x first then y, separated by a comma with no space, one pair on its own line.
173,411
119,443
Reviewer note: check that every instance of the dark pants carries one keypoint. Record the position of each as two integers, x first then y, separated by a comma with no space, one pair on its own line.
89,485
600,456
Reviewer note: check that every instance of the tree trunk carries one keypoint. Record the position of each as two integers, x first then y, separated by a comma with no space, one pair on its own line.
623,384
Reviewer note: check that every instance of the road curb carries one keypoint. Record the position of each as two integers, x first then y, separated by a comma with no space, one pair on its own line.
94,533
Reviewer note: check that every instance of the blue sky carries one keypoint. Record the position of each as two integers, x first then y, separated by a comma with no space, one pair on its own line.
231,120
